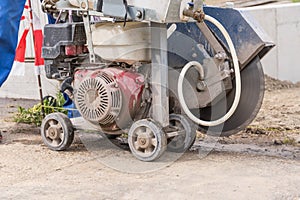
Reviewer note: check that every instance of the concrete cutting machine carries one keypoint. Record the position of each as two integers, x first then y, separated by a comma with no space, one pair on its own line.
155,70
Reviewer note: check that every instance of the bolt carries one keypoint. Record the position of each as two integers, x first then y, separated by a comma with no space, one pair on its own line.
83,5
139,14
51,133
191,5
221,56
201,85
143,141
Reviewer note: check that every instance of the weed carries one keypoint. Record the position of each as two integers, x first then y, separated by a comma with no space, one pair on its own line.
34,115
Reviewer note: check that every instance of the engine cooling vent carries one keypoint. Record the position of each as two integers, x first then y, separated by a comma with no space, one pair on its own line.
99,99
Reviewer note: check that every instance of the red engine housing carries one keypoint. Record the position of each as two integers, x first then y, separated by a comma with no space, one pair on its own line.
109,97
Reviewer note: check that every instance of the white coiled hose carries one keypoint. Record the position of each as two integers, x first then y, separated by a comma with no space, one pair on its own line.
200,69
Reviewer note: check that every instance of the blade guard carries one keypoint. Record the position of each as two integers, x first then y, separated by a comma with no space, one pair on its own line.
247,36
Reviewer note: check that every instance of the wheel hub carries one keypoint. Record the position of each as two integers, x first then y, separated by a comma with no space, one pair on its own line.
144,141
147,140
53,133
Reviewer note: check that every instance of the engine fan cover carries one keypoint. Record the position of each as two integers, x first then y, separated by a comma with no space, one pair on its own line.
108,97
99,98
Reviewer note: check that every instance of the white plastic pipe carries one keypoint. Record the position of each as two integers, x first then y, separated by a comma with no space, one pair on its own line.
198,66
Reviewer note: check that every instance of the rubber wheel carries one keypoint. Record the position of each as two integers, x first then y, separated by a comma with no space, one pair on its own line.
182,142
51,101
57,131
147,140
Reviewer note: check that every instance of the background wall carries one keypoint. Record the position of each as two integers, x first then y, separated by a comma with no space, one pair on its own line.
281,23
27,86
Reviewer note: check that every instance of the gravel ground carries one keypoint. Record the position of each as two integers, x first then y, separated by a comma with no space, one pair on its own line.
261,162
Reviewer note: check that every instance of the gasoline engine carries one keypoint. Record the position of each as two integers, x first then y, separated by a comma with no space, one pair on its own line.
109,97
153,70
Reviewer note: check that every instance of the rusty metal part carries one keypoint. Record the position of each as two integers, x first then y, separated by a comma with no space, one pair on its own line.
49,6
197,15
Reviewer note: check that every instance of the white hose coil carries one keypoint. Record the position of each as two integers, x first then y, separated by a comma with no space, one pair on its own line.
200,68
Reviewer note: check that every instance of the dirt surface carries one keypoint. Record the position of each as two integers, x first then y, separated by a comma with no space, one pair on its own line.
262,162
278,122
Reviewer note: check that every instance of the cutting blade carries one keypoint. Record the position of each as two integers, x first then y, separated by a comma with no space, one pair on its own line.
253,86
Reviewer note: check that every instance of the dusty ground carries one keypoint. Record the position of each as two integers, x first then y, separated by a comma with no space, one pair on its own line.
262,162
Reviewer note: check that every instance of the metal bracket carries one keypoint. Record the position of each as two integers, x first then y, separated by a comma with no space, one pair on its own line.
84,5
118,11
159,73
211,38
88,32
175,133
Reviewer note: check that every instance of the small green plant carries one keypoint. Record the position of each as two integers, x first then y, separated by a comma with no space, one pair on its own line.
289,141
29,116
35,116
295,1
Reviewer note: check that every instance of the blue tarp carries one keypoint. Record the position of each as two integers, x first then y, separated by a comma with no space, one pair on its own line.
10,15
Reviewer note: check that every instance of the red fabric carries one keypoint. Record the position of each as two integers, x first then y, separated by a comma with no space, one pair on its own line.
20,51
38,42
